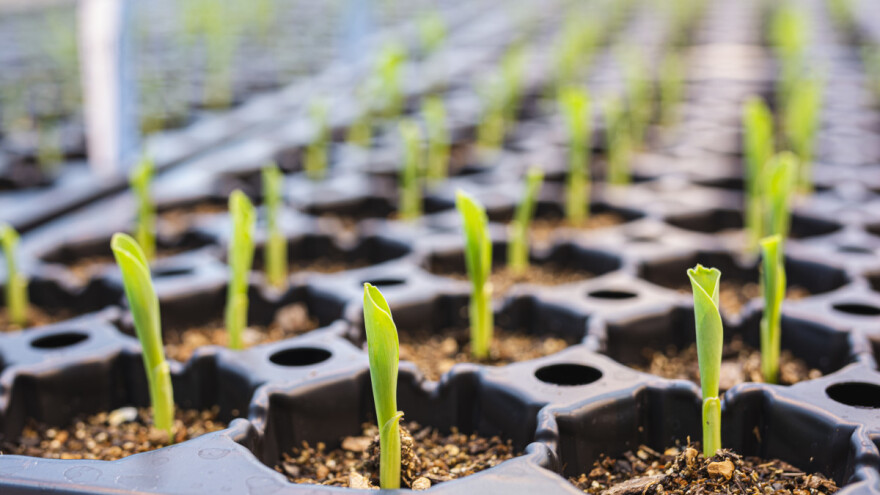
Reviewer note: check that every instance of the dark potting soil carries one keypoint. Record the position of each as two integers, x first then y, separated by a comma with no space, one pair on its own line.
740,363
435,354
543,229
176,221
735,294
36,317
290,321
428,457
686,471
109,435
83,269
503,278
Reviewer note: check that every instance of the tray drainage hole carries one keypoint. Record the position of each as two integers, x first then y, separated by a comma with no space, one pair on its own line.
300,356
171,271
858,309
611,294
568,374
385,282
59,340
856,394
849,248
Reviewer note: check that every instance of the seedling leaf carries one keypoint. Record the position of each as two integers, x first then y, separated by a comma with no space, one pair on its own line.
478,258
241,255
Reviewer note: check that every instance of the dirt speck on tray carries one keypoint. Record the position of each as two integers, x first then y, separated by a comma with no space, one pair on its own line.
109,435
734,294
502,279
435,354
739,363
290,321
543,229
35,317
428,457
686,471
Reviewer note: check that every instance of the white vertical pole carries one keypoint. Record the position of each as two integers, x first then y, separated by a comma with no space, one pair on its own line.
108,85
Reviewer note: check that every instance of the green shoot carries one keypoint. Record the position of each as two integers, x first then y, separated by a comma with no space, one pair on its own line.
638,94
438,138
389,77
360,133
478,258
518,245
575,106
432,31
275,252
241,255
710,340
773,289
779,182
842,13
789,37
145,230
512,70
49,154
758,149
491,128
617,143
671,86
801,121
384,353
316,153
147,324
410,187
16,281
575,48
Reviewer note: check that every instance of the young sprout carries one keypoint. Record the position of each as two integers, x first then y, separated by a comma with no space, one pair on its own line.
438,138
389,69
671,86
16,281
360,132
773,289
758,149
241,255
316,153
145,230
779,183
49,154
789,37
144,307
275,252
384,353
575,47
710,340
617,142
478,258
432,31
638,94
518,245
800,121
410,185
575,106
512,70
491,128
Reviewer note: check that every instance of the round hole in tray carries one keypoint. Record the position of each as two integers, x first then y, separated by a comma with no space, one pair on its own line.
856,394
568,374
59,340
385,282
171,271
611,294
849,248
857,309
300,356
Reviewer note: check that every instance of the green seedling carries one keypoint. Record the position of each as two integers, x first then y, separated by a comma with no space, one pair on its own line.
360,132
275,252
575,48
788,33
801,121
779,183
432,31
241,256
518,245
384,353
316,152
637,94
671,86
478,258
49,154
438,139
574,104
710,340
16,281
144,307
758,149
145,228
842,13
773,290
617,142
512,71
390,80
491,128
410,185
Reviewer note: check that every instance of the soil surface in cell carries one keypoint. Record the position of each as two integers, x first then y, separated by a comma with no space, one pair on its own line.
686,471
428,457
36,317
177,220
734,294
435,354
109,435
740,363
83,269
290,321
503,278
543,229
